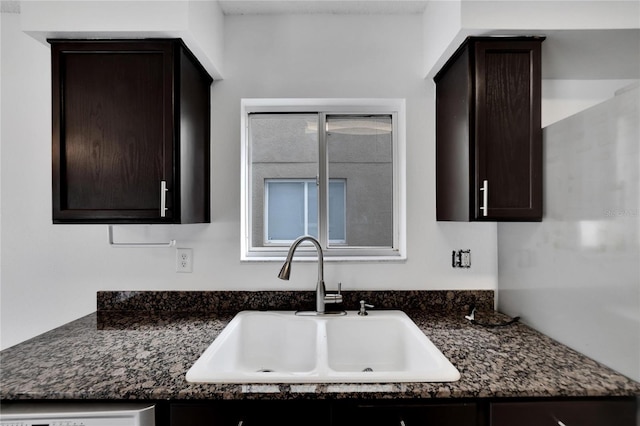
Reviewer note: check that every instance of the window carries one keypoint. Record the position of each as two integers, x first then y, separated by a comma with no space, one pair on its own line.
291,210
332,169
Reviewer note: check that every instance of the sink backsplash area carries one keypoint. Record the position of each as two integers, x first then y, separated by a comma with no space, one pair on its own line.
235,301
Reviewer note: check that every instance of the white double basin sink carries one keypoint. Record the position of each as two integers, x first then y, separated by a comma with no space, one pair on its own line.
281,347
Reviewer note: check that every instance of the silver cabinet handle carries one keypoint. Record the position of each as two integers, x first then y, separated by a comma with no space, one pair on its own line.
485,197
163,198
558,421
402,423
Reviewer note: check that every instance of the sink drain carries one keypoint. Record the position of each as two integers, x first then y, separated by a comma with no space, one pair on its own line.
265,370
367,370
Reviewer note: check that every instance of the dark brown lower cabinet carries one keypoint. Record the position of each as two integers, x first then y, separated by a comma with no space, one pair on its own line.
321,413
415,412
567,413
250,413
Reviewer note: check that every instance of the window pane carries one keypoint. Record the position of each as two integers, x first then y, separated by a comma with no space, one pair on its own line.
337,212
283,146
285,210
360,151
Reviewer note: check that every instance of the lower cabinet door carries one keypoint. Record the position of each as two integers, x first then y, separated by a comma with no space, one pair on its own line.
197,414
250,413
380,414
564,413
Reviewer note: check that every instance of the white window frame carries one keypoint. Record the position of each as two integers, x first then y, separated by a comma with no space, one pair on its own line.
393,107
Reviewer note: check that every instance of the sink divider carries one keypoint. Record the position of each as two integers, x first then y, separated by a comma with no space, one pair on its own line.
322,359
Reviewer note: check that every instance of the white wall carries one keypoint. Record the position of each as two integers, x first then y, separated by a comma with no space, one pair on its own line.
564,98
549,15
50,274
449,22
199,23
575,276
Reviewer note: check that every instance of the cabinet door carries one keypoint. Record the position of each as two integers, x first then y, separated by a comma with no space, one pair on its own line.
381,414
569,413
507,127
199,415
251,413
112,131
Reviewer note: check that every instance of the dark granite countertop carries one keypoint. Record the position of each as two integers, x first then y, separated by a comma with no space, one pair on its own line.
116,355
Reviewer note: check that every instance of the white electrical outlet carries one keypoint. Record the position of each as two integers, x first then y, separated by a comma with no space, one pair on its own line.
184,260
465,258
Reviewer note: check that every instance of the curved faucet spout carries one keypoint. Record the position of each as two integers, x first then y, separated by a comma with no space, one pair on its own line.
285,271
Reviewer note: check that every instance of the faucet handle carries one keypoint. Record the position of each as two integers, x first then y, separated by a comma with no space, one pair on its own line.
363,308
334,298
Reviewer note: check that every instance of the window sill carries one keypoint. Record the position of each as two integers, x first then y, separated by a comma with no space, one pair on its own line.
327,259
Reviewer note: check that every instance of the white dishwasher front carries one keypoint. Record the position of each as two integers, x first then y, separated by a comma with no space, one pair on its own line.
76,414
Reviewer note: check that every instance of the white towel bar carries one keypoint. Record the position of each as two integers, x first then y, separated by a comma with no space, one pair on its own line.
138,245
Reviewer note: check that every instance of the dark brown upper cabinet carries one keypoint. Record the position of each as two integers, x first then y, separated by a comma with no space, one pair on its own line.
131,132
488,134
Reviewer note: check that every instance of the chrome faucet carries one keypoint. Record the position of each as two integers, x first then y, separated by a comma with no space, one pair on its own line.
322,298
